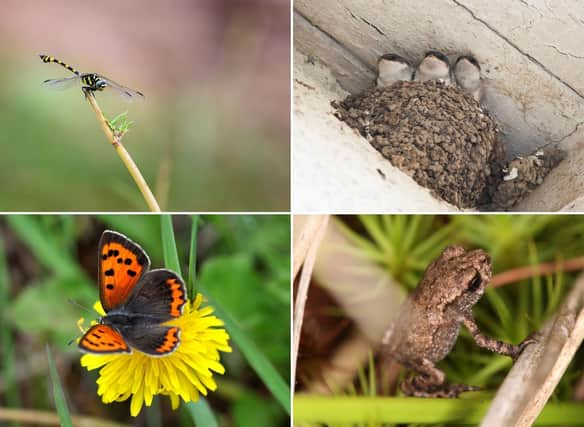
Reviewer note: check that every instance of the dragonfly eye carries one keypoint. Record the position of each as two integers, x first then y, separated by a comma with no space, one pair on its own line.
101,84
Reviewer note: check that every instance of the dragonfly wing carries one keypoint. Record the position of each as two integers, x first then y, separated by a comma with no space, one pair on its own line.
127,93
60,84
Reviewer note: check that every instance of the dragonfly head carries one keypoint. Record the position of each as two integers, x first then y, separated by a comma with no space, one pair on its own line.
100,84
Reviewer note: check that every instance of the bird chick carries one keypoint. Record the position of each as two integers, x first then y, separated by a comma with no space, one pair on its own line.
434,66
467,73
392,68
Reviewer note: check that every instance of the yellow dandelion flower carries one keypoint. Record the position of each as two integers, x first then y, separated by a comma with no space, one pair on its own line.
185,373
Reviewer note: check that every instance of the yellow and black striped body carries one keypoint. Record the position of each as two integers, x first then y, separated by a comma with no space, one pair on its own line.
47,59
93,82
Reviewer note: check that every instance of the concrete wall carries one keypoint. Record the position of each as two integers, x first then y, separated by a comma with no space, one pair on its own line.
531,53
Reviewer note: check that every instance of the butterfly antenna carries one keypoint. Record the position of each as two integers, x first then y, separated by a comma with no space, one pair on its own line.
79,305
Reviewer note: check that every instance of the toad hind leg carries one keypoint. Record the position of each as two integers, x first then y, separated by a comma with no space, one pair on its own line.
431,382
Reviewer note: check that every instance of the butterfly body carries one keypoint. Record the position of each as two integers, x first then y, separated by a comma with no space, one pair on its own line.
137,302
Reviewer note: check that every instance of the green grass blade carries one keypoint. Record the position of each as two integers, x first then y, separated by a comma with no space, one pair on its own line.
193,257
170,252
7,343
153,414
350,410
58,394
201,413
47,251
257,360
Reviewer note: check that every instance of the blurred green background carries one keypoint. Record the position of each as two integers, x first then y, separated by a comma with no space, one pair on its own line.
243,267
211,135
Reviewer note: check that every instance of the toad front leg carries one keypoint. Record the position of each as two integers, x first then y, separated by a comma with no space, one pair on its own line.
492,344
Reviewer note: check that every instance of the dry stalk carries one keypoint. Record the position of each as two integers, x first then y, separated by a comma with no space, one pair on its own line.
301,294
116,141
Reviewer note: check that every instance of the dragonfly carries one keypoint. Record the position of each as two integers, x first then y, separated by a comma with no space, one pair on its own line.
92,82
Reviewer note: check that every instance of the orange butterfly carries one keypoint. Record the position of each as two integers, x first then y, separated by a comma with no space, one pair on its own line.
137,302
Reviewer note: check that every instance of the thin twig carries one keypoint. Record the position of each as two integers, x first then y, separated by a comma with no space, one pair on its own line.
304,239
537,372
32,417
302,292
116,142
523,273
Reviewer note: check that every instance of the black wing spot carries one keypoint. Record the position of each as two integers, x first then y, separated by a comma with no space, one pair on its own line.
120,260
110,252
116,252
127,261
109,286
104,257
131,273
109,272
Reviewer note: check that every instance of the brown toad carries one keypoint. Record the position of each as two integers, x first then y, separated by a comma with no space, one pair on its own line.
428,322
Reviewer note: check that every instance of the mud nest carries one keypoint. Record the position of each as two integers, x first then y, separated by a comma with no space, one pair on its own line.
437,134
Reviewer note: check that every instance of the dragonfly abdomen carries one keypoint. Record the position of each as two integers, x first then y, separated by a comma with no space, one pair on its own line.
47,59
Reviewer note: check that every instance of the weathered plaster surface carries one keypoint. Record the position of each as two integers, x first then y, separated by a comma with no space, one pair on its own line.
531,53
334,169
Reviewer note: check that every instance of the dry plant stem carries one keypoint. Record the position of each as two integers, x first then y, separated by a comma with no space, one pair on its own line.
304,239
303,290
523,273
124,155
31,417
540,367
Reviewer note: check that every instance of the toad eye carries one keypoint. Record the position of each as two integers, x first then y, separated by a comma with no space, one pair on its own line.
475,283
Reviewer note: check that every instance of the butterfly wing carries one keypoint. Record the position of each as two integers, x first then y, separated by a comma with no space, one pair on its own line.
161,294
155,340
60,84
121,265
103,339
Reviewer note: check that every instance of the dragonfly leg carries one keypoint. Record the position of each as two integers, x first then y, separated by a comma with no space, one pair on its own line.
87,90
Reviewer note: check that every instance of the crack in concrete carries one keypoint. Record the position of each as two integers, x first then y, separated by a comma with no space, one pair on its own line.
571,55
373,26
518,49
365,21
307,86
557,141
531,6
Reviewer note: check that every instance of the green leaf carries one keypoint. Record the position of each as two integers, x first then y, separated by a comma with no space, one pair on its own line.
201,413
257,360
44,245
405,410
193,257
6,341
169,250
58,395
233,282
46,298
252,410
120,123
